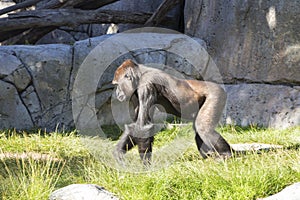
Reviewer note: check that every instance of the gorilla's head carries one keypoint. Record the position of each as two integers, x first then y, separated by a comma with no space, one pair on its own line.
126,78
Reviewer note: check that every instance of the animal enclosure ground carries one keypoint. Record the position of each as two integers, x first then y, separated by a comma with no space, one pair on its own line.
35,164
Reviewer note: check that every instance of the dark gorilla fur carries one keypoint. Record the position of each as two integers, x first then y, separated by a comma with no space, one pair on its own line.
199,101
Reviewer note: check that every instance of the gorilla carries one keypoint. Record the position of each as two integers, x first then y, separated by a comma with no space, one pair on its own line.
199,101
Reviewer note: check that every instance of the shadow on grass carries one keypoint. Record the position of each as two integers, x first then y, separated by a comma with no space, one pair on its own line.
293,147
112,132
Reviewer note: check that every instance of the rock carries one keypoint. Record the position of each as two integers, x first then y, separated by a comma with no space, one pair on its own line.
57,37
102,97
150,56
48,97
82,192
93,30
182,66
20,78
84,47
32,103
201,42
13,114
8,64
28,155
105,116
254,147
252,41
291,192
80,36
262,104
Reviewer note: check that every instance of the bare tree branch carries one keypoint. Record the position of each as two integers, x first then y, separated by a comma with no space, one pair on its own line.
50,4
4,35
68,17
82,4
161,11
93,4
24,4
32,35
30,26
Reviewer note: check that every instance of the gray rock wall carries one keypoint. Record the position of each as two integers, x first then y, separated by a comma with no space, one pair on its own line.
250,41
36,84
265,105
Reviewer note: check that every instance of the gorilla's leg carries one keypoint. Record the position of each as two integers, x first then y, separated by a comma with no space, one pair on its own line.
207,119
125,143
145,148
202,147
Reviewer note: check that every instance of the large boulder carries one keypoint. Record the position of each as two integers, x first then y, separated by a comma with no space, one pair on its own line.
41,75
13,113
291,192
82,192
14,79
9,64
250,41
262,104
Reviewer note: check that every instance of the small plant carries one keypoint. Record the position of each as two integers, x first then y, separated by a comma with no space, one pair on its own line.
28,178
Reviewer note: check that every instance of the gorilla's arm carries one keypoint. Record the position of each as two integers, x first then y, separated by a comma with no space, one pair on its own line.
141,131
128,141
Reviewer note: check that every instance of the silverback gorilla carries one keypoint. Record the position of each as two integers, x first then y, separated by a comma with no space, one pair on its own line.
199,101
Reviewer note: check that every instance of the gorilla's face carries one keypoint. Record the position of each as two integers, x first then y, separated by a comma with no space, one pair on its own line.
126,85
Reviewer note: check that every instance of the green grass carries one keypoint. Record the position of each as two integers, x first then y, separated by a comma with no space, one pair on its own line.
182,174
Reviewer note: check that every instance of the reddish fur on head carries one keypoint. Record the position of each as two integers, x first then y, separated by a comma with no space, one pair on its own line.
122,69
